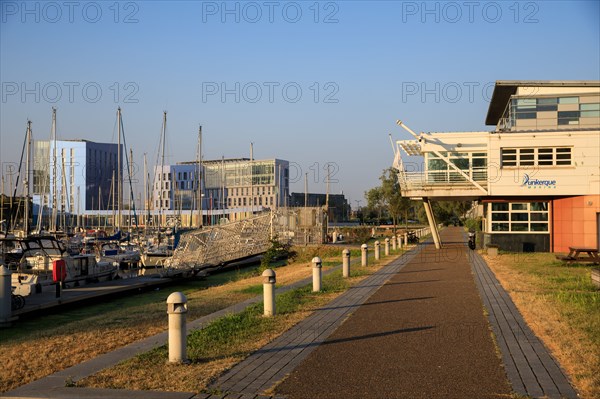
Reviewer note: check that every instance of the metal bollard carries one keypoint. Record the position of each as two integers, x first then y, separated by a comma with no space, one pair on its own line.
364,259
317,265
269,280
376,250
399,238
405,239
346,263
334,237
5,295
177,310
394,243
387,247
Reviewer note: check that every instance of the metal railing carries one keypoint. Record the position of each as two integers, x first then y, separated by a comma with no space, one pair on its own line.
217,245
439,179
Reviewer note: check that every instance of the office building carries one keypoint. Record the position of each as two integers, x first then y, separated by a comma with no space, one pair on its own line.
536,175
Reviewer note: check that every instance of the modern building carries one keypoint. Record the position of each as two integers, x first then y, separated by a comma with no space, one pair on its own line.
233,188
536,175
339,210
75,176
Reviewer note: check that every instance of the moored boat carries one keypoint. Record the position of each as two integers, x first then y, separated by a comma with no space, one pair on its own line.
45,261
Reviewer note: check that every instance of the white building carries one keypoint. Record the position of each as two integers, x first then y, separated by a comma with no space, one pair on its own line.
536,175
230,188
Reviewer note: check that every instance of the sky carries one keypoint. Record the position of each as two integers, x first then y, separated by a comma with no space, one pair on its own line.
314,83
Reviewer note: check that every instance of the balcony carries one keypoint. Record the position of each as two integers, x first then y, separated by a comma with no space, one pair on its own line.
447,174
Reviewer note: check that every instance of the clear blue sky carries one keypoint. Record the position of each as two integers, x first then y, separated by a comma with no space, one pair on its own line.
357,64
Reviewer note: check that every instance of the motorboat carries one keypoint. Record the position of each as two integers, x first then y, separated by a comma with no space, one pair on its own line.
45,261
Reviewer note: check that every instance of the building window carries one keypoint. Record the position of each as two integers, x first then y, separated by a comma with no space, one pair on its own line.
473,164
557,156
519,217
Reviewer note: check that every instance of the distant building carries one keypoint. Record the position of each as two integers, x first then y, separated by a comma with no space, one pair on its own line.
232,188
339,210
75,176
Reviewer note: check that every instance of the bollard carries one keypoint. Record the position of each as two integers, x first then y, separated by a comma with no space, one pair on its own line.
269,280
399,238
376,250
387,247
405,239
346,263
394,243
177,310
364,259
5,295
317,265
334,237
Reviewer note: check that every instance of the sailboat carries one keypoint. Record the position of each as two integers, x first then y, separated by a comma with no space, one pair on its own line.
157,250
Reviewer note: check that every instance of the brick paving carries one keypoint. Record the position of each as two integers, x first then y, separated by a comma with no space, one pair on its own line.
530,367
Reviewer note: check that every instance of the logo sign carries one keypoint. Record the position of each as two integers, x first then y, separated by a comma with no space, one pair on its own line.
537,183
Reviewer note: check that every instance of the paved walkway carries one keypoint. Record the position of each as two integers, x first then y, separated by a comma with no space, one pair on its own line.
415,329
423,334
273,362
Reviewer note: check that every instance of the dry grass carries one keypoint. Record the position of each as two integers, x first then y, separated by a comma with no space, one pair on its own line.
561,307
37,348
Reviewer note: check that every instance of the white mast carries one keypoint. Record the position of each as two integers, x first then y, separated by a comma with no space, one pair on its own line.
64,192
112,192
162,165
129,172
26,181
54,196
251,178
119,171
199,170
146,207
305,189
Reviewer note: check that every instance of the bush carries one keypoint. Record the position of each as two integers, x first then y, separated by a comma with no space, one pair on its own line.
277,250
473,224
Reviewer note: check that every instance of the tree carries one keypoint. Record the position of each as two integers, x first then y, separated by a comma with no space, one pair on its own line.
375,203
395,203
388,200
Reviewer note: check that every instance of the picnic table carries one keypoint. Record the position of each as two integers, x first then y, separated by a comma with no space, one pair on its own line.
575,255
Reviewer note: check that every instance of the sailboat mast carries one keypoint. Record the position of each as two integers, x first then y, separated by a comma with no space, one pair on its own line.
26,180
199,170
251,179
64,191
162,166
119,172
54,196
146,206
130,171
112,192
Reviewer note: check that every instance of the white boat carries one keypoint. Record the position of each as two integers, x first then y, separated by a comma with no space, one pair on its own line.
45,262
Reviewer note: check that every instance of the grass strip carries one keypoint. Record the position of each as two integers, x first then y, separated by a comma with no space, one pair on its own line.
562,306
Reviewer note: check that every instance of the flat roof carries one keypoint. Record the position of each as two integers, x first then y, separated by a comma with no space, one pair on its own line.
506,88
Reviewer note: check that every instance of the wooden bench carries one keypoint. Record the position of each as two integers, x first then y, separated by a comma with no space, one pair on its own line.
575,255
